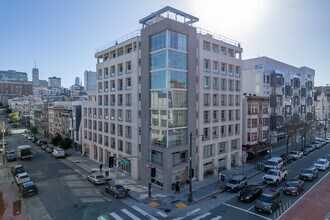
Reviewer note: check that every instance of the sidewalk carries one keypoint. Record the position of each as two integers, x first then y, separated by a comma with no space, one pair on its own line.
168,201
10,194
161,200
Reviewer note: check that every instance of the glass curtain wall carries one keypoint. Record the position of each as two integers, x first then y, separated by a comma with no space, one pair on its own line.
168,89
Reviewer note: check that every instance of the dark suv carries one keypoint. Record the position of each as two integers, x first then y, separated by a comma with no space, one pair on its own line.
268,201
28,189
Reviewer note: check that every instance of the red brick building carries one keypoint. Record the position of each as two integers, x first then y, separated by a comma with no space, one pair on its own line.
11,89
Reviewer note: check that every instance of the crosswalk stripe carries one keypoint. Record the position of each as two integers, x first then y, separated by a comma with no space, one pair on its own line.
216,218
161,214
188,214
202,216
130,214
117,217
144,213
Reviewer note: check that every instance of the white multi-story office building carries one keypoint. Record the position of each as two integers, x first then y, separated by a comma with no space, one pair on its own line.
166,95
90,80
290,90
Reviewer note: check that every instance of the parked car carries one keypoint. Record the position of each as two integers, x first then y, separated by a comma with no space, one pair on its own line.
30,137
310,173
96,178
28,189
321,164
22,178
17,169
118,191
41,142
236,183
58,152
10,155
296,154
249,193
44,146
268,201
327,157
49,149
293,187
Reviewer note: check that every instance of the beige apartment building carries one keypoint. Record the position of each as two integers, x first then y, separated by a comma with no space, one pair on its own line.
167,95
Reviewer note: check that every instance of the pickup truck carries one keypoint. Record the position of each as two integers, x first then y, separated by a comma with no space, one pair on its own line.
275,176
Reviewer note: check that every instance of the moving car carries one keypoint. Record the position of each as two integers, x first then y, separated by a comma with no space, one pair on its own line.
274,163
96,178
10,155
17,169
249,193
118,191
22,178
268,201
293,187
321,164
28,189
310,173
236,183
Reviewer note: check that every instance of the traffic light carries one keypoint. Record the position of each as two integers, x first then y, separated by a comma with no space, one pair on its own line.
153,172
192,173
16,207
112,161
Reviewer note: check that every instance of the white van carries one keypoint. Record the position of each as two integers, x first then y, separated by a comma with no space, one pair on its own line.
58,152
274,163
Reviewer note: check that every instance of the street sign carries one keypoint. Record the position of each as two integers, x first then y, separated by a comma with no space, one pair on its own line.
124,162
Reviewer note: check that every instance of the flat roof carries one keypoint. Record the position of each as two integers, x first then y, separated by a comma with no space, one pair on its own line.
170,11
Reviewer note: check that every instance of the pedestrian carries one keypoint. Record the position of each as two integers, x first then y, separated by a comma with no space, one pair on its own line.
101,165
177,187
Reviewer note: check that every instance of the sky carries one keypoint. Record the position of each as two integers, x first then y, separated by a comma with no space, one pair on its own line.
61,36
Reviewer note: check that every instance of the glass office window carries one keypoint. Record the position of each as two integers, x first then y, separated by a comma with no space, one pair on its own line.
177,41
158,41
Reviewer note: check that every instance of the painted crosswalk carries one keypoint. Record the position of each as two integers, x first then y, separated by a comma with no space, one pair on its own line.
137,213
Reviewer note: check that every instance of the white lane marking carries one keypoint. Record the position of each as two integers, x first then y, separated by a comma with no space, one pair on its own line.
161,214
130,214
188,214
216,218
313,186
144,213
117,217
246,211
202,216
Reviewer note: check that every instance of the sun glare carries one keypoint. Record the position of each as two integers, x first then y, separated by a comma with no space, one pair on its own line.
229,16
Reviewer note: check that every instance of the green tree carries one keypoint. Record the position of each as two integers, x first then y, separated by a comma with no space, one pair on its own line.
66,143
3,204
57,139
34,130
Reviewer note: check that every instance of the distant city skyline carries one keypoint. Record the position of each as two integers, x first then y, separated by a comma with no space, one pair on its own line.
62,36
